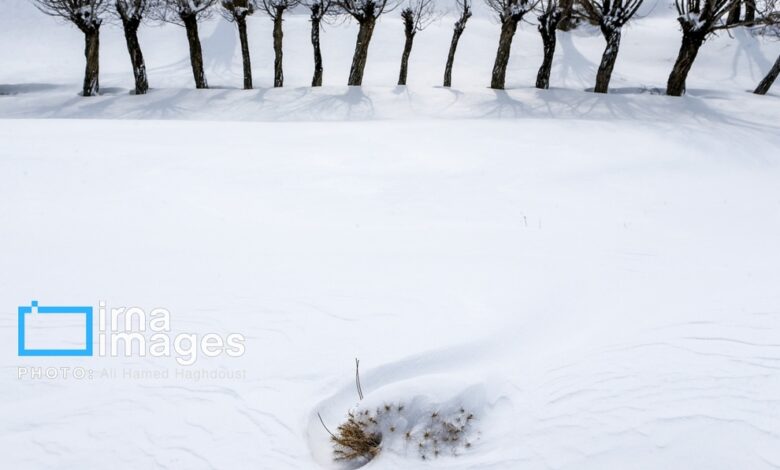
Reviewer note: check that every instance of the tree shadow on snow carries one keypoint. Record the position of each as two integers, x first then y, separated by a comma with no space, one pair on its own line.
749,50
321,103
632,104
574,65
156,104
22,88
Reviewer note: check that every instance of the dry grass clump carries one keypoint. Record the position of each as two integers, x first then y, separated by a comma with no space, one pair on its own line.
354,441
430,434
443,433
422,428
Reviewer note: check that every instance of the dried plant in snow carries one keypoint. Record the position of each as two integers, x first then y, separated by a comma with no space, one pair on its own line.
430,431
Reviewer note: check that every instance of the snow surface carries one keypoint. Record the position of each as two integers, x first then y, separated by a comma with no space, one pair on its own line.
594,277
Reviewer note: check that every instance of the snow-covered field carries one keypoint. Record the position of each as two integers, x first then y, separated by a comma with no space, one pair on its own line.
595,278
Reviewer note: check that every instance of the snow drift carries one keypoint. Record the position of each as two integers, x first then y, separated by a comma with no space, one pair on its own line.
594,276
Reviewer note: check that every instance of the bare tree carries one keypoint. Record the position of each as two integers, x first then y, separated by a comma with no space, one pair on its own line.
735,18
750,10
236,11
417,15
320,10
188,13
275,10
87,15
131,13
611,16
770,78
734,13
510,12
771,27
464,7
550,16
568,20
365,12
698,20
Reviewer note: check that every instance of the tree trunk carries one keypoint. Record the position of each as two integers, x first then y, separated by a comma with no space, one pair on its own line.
604,73
567,21
750,10
361,51
691,43
241,23
548,39
315,42
91,53
278,55
456,33
405,58
770,78
508,28
734,13
196,53
136,57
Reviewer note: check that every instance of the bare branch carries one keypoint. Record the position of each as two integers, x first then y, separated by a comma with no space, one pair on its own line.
610,15
275,8
321,9
324,426
174,11
87,15
132,10
419,14
363,10
357,378
235,10
511,10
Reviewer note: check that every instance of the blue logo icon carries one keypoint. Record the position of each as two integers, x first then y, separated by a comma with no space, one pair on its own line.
41,314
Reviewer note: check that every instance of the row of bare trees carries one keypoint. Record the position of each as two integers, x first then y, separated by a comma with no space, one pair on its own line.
699,19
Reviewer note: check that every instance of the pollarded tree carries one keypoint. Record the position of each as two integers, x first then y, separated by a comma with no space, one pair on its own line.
770,78
188,13
275,10
698,20
549,17
734,12
417,15
771,27
568,20
611,16
365,12
750,10
320,10
131,13
510,13
767,82
464,7
87,15
236,12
